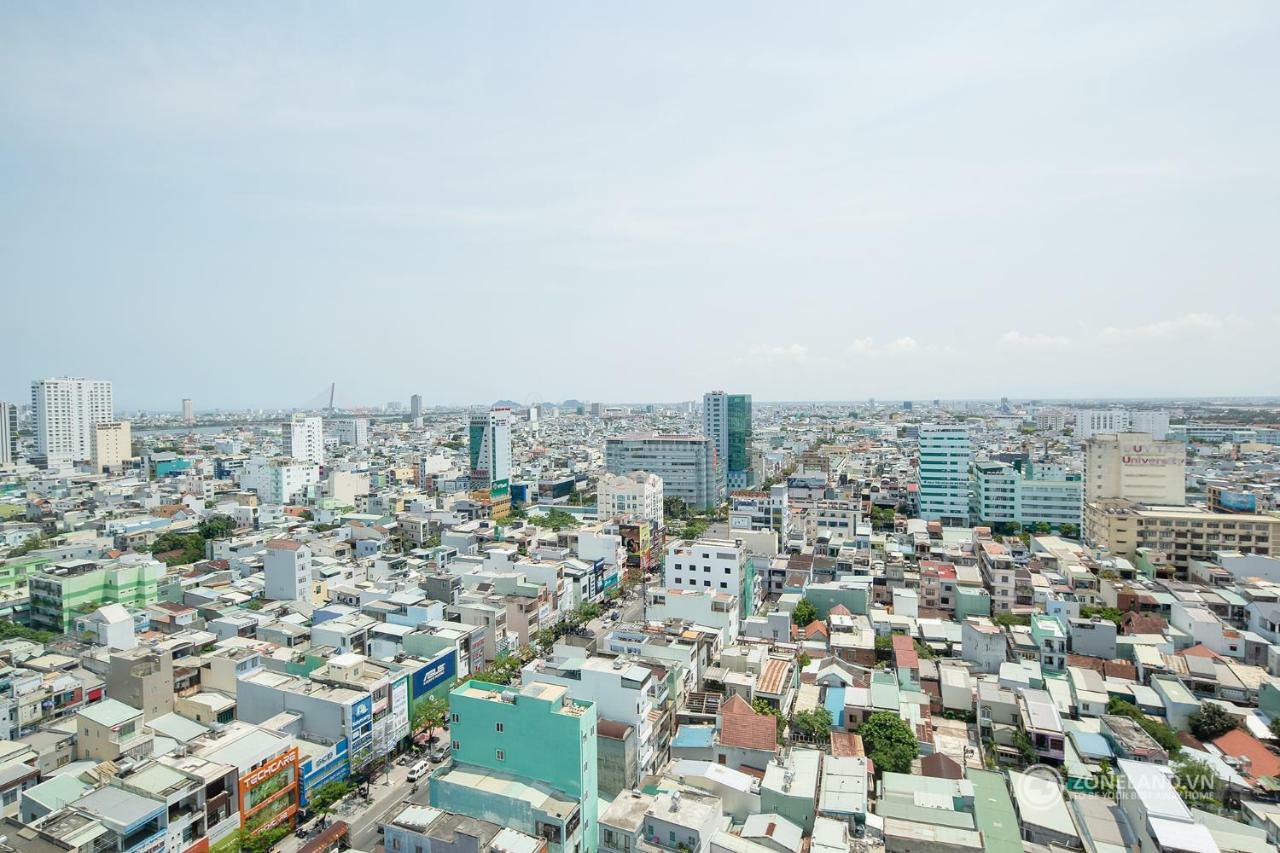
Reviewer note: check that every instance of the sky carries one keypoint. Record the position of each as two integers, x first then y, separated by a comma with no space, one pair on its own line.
241,203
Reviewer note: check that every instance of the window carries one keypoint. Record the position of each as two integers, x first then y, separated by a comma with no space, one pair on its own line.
455,746
500,755
498,727
453,718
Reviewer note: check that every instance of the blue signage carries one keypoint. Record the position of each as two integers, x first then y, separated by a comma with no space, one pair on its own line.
442,670
362,713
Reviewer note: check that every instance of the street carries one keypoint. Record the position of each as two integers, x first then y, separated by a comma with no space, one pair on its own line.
364,819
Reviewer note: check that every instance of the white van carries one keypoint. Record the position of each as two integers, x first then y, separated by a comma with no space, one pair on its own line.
417,771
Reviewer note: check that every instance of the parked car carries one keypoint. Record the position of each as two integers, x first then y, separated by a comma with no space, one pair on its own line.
417,771
439,752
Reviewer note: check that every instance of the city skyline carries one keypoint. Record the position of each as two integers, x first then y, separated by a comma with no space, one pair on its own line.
858,195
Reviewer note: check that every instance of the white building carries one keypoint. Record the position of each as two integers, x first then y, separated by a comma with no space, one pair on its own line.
637,494
188,410
278,480
1136,467
945,453
490,448
718,565
1093,422
710,608
688,464
65,411
8,433
287,568
112,444
982,644
769,510
304,438
1040,493
622,691
352,431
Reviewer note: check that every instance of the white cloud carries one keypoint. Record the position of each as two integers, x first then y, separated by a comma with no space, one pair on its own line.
793,353
869,348
1194,323
1021,339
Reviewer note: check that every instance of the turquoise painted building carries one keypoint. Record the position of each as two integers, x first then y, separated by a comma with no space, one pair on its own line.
523,758
853,594
972,601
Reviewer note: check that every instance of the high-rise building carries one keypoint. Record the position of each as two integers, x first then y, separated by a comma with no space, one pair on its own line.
1091,422
65,411
688,464
8,433
1136,467
112,444
637,494
415,409
352,431
490,446
1039,493
188,410
726,420
304,438
287,571
510,741
946,451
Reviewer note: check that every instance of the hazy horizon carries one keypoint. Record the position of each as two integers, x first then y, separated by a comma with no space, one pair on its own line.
242,204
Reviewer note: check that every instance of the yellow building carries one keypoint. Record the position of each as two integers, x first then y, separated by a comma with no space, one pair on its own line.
111,443
1178,534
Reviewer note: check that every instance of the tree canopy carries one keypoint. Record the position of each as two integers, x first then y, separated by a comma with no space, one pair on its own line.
889,742
1211,722
804,613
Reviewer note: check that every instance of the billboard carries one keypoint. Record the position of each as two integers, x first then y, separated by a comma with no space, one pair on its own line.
440,672
268,792
1238,501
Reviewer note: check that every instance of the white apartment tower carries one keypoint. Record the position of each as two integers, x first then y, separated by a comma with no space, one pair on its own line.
8,433
112,445
304,438
490,451
65,411
188,410
352,431
1136,467
945,453
637,494
287,568
1092,422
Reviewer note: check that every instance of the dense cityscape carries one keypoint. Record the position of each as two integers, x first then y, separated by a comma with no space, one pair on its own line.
712,626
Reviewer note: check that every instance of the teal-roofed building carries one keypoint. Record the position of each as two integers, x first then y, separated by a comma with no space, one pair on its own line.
853,594
972,601
1051,642
523,758
993,812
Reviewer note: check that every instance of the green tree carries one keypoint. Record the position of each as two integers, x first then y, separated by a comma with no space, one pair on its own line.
557,519
323,798
1069,531
217,526
1161,733
924,651
1022,742
1211,722
1197,784
1275,727
26,546
1111,614
804,613
674,507
430,713
815,723
889,742
1105,779
178,549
